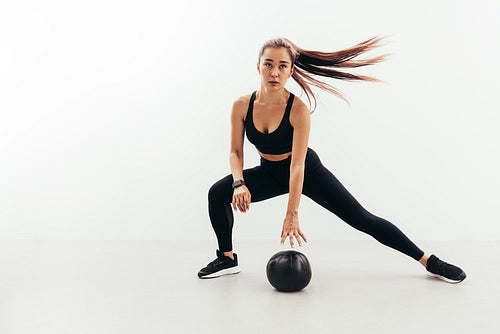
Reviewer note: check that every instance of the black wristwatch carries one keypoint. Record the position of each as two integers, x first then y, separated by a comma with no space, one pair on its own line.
238,183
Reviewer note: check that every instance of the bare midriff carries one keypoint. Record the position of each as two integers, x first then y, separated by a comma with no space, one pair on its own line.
275,157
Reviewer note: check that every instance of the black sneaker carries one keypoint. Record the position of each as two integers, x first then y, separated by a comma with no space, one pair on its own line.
222,265
444,271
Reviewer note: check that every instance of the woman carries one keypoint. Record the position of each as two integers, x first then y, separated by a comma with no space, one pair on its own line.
278,124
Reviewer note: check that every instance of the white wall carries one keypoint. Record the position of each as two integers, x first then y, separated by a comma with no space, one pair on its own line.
114,116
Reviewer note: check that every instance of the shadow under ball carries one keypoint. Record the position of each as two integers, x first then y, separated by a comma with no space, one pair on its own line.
288,271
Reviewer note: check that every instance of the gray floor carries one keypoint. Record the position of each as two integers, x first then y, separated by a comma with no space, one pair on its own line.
151,287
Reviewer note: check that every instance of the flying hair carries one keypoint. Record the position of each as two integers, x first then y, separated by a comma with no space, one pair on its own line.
307,63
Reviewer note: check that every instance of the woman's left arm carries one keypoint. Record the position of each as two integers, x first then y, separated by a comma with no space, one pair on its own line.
301,122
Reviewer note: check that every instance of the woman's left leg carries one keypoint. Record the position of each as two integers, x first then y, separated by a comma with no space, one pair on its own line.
324,188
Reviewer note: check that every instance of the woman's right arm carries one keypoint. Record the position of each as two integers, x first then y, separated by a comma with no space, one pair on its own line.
241,195
237,137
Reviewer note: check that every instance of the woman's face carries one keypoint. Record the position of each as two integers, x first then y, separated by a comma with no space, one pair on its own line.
275,67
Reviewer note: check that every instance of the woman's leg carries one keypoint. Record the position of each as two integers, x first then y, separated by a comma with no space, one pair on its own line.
261,185
325,189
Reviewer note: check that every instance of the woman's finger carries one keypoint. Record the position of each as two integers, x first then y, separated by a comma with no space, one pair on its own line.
290,237
243,205
298,238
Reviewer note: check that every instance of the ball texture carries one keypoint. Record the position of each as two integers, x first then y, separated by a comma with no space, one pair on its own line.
289,271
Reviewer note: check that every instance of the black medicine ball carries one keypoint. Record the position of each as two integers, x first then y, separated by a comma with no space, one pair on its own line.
288,271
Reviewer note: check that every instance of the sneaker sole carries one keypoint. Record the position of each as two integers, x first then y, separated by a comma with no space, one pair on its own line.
444,278
228,271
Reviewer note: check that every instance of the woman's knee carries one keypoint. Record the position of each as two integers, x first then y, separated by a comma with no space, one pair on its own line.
374,225
363,220
213,192
218,191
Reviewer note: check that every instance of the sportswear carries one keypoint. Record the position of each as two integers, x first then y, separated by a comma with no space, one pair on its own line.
444,271
222,265
272,179
277,142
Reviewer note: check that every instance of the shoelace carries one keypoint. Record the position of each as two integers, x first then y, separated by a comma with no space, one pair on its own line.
215,262
440,266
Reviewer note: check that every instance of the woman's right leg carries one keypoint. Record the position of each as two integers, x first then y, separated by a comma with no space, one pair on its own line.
261,185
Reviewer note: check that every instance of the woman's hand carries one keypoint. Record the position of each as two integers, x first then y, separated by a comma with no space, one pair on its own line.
291,229
241,198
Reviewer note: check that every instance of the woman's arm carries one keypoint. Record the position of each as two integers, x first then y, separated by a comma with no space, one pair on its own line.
301,128
241,195
301,122
237,139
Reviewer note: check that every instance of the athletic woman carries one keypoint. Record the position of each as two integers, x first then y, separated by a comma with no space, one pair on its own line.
278,124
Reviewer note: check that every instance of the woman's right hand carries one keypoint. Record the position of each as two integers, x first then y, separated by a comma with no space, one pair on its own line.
241,198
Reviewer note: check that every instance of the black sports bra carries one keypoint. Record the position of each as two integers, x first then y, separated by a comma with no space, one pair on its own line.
277,142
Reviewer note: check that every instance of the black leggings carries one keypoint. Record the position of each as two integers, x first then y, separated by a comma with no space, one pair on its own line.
271,179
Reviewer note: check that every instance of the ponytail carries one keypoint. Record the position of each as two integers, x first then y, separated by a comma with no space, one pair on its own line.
306,62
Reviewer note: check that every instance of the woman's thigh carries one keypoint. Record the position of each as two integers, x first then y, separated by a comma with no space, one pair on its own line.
325,189
259,182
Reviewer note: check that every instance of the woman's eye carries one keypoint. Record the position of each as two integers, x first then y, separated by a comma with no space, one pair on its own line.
284,66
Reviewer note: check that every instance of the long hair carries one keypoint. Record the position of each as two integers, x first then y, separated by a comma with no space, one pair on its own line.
306,62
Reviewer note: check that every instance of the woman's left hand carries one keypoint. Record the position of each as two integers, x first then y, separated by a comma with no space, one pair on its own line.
291,229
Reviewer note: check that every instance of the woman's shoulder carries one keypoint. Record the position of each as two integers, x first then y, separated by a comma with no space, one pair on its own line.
240,105
298,106
298,103
299,111
244,99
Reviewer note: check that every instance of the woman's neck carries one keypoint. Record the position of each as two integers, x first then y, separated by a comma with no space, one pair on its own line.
272,96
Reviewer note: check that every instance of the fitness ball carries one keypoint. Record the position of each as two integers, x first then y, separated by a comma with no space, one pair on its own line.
288,271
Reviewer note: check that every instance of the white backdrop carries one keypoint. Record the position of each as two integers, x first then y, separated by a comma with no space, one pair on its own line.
114,116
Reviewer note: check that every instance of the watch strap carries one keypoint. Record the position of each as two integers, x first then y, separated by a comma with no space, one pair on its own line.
238,183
